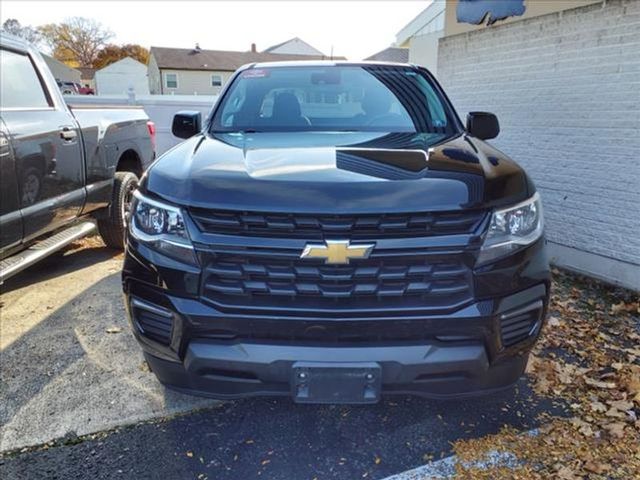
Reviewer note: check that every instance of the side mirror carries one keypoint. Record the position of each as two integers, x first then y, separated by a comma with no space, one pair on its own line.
186,124
482,125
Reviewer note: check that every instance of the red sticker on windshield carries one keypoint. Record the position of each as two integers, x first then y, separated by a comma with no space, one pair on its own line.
255,73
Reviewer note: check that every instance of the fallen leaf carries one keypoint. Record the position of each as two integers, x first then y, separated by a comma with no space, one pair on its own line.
567,473
614,413
615,429
553,322
114,330
582,426
598,407
596,467
623,307
144,367
622,405
599,384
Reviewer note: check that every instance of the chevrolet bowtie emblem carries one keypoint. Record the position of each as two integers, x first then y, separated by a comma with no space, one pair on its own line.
337,252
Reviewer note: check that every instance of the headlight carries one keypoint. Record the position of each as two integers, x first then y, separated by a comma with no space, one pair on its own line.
161,227
512,228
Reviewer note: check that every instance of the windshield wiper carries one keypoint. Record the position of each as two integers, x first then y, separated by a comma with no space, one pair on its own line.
241,130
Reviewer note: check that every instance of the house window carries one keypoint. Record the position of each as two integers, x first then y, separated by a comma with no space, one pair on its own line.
171,80
216,80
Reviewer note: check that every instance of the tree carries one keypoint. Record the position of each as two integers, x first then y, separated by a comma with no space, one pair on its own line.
28,33
112,53
76,41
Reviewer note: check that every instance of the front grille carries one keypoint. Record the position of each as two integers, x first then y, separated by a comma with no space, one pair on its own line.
319,227
321,331
293,284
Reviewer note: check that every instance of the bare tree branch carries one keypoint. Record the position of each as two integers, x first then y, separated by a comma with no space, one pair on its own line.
30,34
77,39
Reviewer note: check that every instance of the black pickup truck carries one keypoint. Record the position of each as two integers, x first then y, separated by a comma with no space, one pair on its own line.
63,170
333,232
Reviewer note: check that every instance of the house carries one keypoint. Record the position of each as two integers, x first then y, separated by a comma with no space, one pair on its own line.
198,71
87,77
421,35
121,76
294,46
562,77
61,71
391,54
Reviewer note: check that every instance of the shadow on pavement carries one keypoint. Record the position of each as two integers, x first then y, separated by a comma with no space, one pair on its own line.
60,263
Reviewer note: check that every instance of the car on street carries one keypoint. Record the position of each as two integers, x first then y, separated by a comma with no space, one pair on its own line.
63,169
333,232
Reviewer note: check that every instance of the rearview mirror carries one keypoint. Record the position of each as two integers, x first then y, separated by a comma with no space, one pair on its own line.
482,125
186,124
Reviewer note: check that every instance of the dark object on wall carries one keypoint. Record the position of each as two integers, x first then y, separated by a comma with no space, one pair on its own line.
475,11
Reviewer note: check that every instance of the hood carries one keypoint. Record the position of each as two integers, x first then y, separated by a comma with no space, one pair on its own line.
336,172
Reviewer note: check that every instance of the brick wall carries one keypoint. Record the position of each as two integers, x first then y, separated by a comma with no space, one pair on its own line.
566,89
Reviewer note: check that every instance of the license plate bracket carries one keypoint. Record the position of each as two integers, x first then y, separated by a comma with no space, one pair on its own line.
320,382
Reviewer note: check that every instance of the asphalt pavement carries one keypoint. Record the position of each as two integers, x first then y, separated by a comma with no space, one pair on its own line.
277,439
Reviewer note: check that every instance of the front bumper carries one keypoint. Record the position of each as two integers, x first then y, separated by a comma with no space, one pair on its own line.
194,347
246,369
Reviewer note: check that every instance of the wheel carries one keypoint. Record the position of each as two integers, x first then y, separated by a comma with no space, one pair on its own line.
31,186
112,228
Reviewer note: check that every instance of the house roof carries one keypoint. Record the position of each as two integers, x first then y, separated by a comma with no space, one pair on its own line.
50,59
435,8
192,59
294,39
391,54
124,61
87,73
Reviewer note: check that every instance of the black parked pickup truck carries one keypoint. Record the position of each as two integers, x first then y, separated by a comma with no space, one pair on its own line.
333,232
62,170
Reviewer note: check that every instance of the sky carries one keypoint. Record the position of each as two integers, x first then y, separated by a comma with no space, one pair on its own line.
354,29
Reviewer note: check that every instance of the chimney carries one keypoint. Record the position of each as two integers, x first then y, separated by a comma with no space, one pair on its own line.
253,48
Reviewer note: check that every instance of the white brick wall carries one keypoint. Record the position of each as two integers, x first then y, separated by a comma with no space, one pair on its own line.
566,89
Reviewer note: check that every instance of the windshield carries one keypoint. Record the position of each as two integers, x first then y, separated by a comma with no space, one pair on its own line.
334,98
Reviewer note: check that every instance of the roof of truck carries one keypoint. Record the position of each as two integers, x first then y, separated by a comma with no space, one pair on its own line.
325,63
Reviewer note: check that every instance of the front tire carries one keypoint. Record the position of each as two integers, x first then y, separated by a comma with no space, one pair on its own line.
112,228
